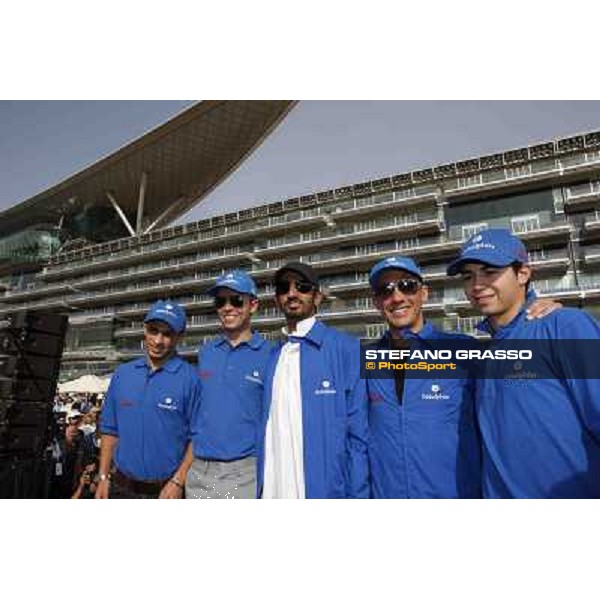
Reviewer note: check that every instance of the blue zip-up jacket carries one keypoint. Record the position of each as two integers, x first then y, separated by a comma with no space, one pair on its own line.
334,415
150,412
427,446
226,423
541,437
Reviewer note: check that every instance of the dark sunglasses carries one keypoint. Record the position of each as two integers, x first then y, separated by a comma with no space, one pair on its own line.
404,286
283,287
236,301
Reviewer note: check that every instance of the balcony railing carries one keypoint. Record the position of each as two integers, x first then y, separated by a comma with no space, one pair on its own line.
179,246
592,222
347,233
591,254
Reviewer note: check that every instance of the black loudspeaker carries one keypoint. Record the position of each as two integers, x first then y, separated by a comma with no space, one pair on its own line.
25,477
31,346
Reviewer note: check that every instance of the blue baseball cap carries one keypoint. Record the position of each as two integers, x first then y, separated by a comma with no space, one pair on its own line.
168,312
496,247
238,281
395,262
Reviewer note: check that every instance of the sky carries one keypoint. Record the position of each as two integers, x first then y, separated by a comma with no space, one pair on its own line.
319,146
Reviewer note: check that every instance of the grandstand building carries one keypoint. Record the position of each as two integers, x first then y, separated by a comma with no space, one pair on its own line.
548,193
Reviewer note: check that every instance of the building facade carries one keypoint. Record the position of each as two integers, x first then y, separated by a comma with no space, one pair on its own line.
548,194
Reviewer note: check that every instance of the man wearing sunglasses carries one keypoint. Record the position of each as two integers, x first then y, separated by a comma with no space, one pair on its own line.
424,440
315,410
231,370
146,415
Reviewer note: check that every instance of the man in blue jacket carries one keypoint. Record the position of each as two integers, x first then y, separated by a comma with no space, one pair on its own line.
541,437
145,422
315,412
232,371
423,436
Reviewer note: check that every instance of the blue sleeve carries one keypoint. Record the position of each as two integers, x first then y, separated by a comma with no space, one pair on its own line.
585,392
194,406
192,401
358,428
199,363
108,416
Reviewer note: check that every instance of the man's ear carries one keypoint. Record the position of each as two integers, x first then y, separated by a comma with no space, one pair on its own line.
524,275
253,305
424,291
318,298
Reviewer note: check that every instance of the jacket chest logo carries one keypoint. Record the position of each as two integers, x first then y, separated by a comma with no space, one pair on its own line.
168,404
325,388
436,393
254,377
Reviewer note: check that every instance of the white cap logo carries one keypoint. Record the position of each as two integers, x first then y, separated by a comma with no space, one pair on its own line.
168,400
435,388
477,238
255,373
325,383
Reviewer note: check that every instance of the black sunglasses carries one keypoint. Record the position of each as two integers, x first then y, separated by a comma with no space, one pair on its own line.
283,287
236,301
404,286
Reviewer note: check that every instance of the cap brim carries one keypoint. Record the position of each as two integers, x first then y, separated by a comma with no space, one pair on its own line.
493,260
292,269
215,288
374,276
172,327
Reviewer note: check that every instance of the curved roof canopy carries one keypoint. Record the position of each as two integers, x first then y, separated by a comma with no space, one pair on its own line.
156,178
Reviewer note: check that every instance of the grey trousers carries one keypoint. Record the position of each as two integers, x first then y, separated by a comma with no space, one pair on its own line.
213,479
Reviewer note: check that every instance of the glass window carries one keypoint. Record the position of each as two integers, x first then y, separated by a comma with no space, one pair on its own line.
472,229
525,223
501,207
520,171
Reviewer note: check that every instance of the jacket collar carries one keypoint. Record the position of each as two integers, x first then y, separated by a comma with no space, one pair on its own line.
504,330
255,342
427,332
172,365
314,335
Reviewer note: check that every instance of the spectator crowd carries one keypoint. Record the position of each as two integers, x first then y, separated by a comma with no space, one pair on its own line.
75,445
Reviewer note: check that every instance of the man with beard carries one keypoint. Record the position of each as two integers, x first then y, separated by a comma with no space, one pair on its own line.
315,411
145,421
231,370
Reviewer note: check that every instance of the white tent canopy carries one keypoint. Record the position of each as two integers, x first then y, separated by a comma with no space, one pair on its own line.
90,384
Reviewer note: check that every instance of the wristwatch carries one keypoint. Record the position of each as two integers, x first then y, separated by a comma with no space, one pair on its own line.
104,477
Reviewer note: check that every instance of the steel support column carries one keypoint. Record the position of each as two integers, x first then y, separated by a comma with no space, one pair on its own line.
141,200
121,214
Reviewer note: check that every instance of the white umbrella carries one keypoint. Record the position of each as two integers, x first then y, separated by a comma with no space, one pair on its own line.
89,384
